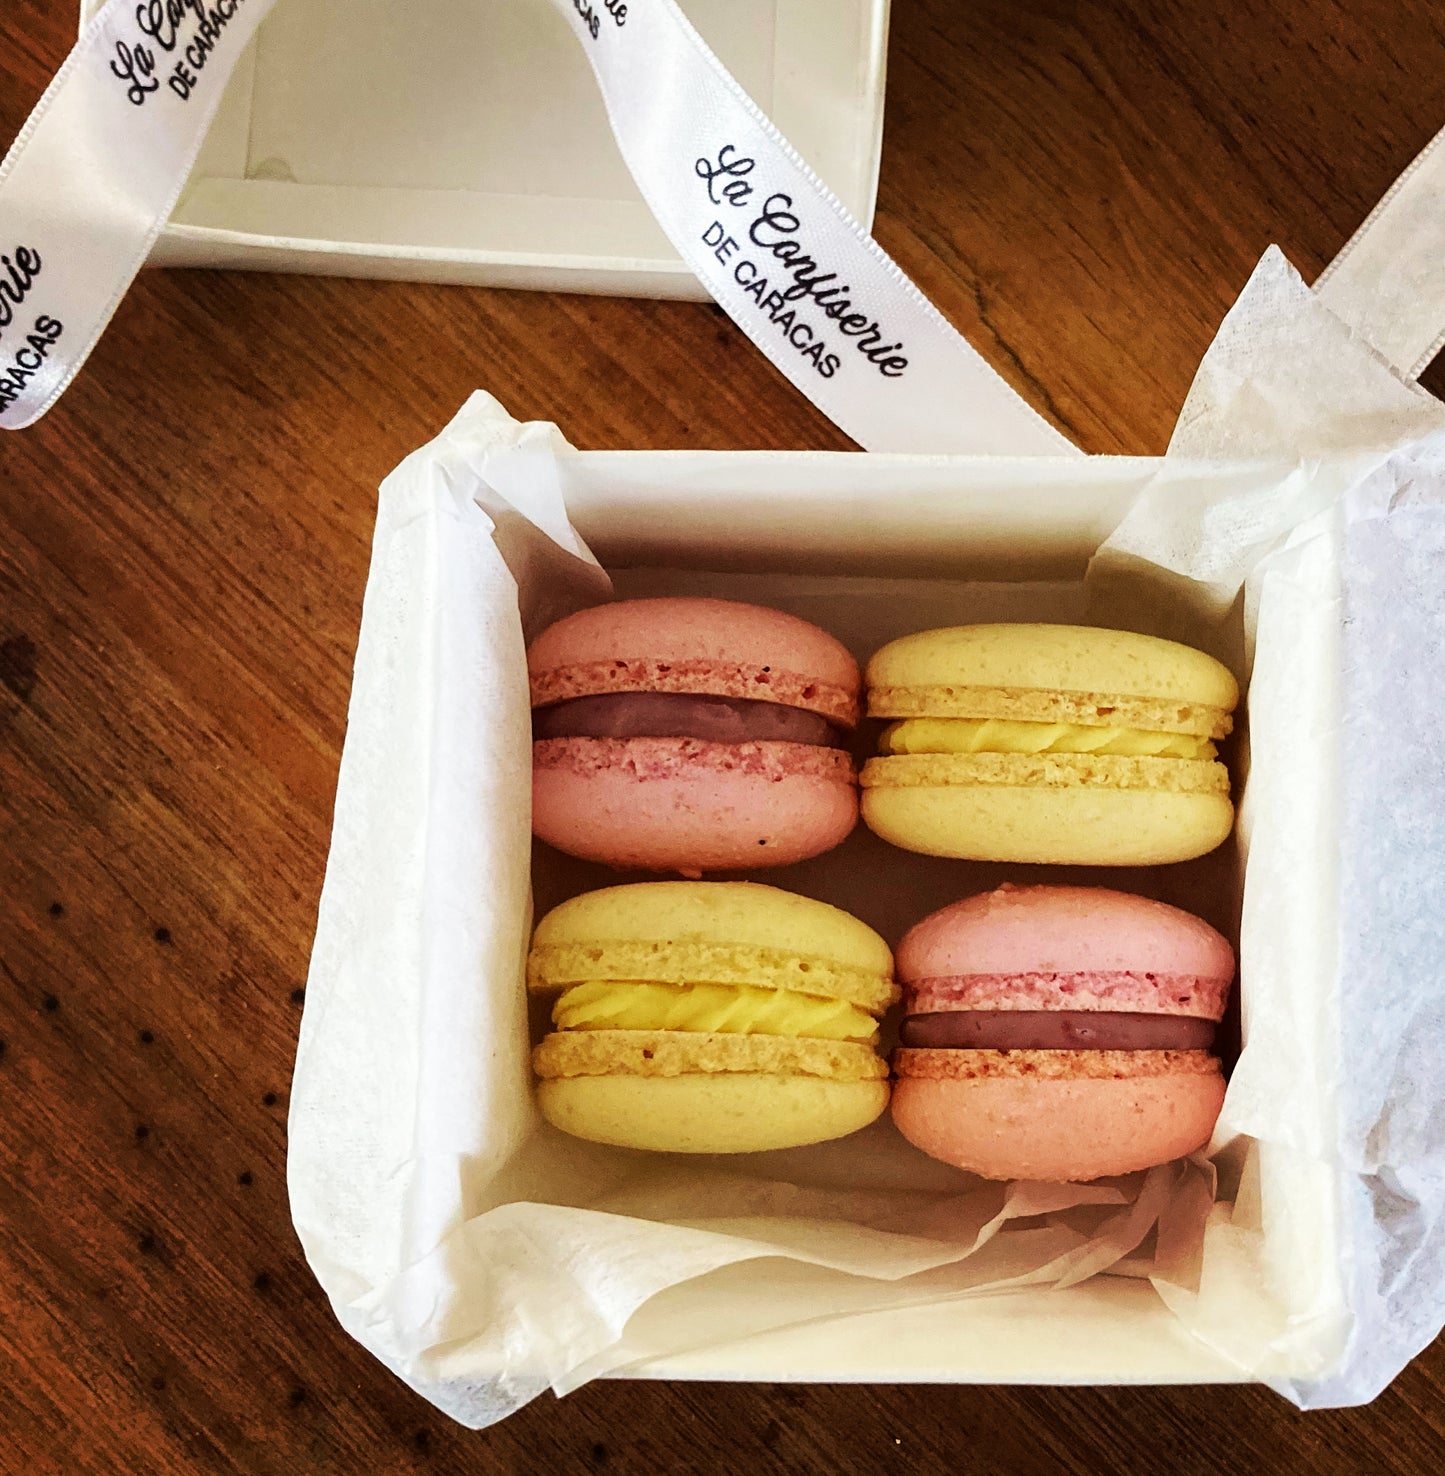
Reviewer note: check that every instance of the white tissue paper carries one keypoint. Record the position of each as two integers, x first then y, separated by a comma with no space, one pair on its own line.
1296,529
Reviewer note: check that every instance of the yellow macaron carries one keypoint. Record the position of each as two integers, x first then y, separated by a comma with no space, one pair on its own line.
1049,743
709,1017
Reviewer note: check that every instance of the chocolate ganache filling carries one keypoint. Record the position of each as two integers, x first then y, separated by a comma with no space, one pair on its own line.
1056,1030
683,715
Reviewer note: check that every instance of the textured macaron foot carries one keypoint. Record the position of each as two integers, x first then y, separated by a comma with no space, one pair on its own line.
692,735
734,1113
1048,743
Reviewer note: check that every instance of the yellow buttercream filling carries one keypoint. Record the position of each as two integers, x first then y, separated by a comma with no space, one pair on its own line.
1001,735
733,1009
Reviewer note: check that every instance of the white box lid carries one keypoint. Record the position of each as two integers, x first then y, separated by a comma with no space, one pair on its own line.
466,141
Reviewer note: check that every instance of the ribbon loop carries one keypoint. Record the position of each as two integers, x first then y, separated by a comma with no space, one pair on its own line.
94,175
1388,282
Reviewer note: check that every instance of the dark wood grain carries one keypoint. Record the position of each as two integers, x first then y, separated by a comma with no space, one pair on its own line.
1082,188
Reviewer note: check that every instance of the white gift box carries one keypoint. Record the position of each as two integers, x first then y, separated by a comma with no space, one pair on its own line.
466,141
871,547
484,1257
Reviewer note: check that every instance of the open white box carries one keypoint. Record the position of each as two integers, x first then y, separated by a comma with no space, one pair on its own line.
466,141
948,532
422,933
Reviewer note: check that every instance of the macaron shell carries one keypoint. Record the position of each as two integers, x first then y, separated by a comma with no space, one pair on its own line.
1067,657
681,805
1081,825
695,645
1062,930
1059,1129
726,1113
714,932
736,913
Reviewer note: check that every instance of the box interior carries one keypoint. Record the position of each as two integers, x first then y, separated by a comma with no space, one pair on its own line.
474,128
957,546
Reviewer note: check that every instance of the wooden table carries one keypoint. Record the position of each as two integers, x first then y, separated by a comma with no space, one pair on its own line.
1083,189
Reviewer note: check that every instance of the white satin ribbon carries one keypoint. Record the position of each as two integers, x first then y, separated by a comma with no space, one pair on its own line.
94,174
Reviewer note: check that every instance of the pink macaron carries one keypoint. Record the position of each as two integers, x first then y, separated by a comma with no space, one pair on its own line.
691,735
1060,1033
